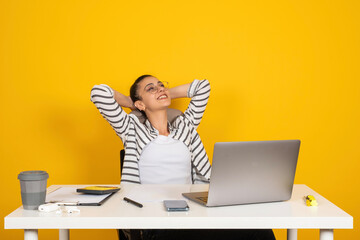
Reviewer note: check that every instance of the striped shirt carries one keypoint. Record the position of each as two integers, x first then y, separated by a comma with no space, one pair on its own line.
135,135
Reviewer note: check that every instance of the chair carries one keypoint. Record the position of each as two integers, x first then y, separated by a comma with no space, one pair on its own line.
172,114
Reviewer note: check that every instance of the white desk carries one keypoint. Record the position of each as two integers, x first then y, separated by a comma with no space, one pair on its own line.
118,214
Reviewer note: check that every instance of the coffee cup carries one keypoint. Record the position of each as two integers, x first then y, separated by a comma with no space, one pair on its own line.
33,188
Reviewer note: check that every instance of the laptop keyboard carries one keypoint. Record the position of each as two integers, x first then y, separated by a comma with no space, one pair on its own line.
203,199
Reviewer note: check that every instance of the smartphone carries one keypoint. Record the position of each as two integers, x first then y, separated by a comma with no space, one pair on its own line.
176,205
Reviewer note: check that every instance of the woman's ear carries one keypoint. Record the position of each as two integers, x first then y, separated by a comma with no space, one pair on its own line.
140,105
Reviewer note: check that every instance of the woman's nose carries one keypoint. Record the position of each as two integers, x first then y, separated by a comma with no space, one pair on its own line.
160,88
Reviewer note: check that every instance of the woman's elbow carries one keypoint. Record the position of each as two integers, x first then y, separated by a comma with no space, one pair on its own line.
99,91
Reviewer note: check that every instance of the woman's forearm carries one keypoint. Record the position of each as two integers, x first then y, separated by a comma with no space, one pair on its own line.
122,100
179,91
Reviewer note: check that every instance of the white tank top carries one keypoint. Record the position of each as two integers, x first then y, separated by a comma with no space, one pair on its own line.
165,161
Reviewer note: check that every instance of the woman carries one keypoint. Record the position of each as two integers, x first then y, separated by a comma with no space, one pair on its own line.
158,152
157,139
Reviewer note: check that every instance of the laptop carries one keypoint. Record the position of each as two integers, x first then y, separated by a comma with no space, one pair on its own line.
250,172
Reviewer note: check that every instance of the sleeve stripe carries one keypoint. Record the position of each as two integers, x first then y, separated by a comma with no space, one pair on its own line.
196,146
105,103
112,116
100,89
204,155
199,100
187,135
209,168
130,161
106,109
130,154
133,168
130,174
101,96
126,180
203,82
202,93
204,165
198,112
198,106
114,122
195,138
182,130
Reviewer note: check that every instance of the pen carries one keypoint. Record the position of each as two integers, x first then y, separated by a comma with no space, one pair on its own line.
65,203
133,202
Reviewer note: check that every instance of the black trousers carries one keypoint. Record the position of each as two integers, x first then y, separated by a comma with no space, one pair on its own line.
199,234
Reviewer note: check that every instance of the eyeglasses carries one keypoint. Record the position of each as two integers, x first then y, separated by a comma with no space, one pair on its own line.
151,88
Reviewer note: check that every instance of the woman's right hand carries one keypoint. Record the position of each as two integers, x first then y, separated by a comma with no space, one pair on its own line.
131,103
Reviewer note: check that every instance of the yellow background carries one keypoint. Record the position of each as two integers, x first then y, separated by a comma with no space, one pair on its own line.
278,70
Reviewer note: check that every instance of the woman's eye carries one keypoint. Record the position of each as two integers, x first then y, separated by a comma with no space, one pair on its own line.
161,84
150,89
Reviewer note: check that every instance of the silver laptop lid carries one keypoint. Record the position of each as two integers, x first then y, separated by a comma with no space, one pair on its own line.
252,172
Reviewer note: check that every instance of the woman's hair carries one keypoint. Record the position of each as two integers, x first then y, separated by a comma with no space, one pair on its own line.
134,90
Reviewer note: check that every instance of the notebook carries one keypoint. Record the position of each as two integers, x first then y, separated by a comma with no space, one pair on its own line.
69,196
250,172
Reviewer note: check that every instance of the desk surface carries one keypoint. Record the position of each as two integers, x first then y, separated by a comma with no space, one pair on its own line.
115,213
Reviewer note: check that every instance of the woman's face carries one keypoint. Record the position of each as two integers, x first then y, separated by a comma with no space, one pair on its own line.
154,96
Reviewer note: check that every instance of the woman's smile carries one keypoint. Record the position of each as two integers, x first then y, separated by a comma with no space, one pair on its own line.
162,96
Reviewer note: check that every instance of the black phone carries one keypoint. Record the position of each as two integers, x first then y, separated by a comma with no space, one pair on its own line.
176,205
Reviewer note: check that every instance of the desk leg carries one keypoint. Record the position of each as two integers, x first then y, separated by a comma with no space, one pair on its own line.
326,234
64,234
292,234
31,234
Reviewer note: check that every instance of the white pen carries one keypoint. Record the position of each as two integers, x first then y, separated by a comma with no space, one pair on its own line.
65,203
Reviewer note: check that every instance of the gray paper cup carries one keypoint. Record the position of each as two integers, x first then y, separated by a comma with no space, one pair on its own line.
33,188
